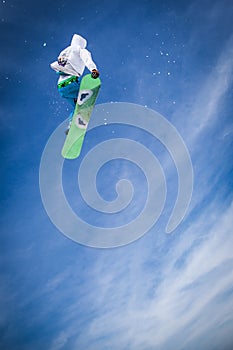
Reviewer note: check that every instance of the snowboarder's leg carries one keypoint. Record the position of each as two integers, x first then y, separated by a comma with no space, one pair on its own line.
70,93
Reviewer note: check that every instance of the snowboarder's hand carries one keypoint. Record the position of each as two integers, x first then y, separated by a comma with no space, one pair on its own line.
95,73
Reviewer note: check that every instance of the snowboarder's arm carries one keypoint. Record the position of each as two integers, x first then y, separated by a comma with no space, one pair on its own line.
87,59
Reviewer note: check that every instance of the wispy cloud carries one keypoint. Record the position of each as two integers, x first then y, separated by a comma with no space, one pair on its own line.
198,121
163,303
209,99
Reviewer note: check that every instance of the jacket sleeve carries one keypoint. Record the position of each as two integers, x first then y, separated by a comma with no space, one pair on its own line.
87,59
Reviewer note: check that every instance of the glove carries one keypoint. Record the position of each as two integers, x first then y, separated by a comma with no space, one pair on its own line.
95,73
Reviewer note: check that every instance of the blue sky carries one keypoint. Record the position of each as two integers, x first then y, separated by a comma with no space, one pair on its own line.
161,291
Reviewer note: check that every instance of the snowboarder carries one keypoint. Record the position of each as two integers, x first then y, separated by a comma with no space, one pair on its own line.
70,66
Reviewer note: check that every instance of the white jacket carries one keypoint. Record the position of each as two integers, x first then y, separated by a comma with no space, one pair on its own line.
77,57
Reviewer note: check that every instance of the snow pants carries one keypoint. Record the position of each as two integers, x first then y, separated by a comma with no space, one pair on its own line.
69,91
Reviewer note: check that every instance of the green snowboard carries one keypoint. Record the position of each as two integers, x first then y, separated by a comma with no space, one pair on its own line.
88,93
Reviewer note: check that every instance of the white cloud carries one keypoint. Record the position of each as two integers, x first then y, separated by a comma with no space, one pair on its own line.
127,313
59,342
217,85
177,298
206,107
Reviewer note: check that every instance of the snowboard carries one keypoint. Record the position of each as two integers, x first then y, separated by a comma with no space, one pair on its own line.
87,95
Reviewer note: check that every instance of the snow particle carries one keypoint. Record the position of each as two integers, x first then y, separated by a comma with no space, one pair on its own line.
44,44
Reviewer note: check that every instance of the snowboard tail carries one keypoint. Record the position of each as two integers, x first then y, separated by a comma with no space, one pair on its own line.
88,92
